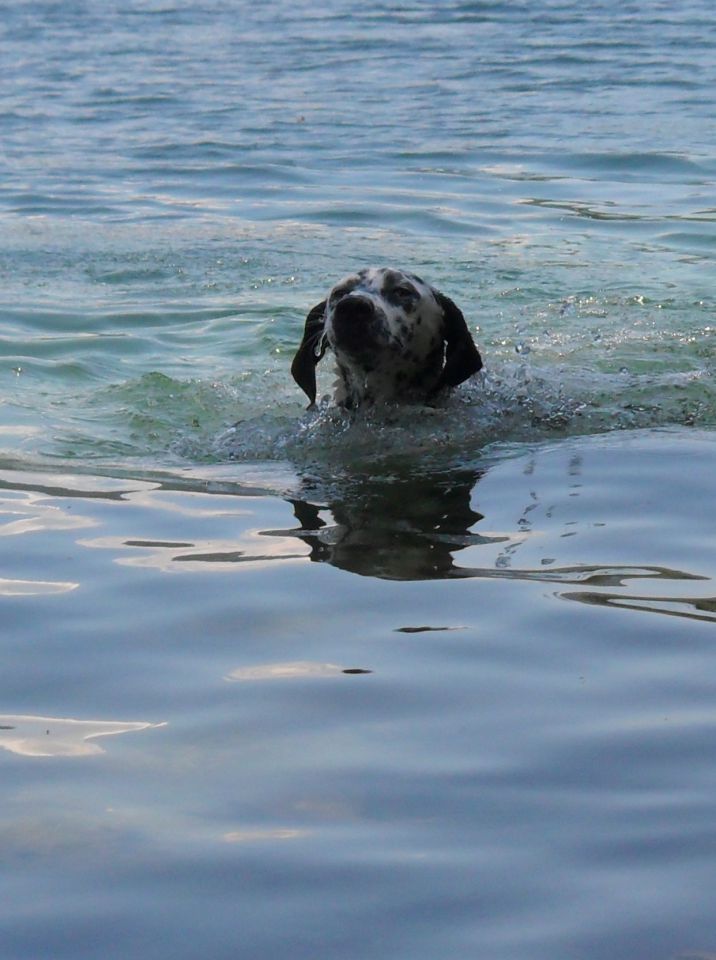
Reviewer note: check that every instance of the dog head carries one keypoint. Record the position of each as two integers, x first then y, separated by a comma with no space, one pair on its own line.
393,336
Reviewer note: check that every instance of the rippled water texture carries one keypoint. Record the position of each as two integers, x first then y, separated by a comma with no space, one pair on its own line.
413,683
469,713
182,181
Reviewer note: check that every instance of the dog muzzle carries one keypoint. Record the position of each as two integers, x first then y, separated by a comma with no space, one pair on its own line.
357,324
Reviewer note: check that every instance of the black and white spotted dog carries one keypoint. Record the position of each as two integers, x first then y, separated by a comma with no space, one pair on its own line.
394,337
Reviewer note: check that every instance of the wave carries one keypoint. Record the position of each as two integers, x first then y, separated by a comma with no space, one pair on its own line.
258,417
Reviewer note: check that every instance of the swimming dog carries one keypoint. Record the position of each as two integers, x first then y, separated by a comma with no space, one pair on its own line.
394,337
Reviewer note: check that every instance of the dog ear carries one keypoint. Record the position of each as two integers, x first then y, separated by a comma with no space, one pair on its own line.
310,352
462,358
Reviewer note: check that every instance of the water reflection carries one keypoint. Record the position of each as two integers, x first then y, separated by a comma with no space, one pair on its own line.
415,529
24,511
200,555
32,736
265,835
699,608
35,588
395,529
292,670
392,525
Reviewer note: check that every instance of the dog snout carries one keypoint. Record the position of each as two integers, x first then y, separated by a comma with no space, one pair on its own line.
355,307
356,326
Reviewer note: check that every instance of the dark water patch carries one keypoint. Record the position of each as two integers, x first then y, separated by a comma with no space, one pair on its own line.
584,210
695,241
180,152
28,369
636,164
702,609
128,276
152,317
34,204
217,175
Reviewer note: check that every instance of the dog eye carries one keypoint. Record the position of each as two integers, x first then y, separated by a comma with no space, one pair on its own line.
405,292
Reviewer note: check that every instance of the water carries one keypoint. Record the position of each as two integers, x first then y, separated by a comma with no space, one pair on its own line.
425,683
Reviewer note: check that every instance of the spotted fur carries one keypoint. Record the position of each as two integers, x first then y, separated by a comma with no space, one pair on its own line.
394,338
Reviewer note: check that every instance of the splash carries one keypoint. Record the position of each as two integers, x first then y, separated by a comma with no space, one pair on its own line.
578,366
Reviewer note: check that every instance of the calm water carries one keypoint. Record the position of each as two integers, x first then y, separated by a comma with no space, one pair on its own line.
425,684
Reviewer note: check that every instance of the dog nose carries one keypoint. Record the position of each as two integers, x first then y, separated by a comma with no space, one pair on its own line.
355,307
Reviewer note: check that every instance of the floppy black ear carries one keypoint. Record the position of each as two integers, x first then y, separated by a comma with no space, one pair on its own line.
462,358
310,352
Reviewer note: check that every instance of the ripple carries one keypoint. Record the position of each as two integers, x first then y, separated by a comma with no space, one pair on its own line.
32,736
293,670
697,608
35,588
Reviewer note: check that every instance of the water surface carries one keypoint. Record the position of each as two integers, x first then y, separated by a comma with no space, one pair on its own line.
424,683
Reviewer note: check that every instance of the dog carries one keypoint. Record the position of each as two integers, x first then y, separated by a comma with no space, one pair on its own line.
394,338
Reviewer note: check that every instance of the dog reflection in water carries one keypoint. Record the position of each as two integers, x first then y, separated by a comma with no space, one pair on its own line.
395,530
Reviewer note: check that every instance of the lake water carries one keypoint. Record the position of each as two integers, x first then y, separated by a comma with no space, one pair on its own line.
413,684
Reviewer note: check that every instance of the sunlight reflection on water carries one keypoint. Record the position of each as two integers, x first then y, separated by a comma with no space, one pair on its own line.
56,737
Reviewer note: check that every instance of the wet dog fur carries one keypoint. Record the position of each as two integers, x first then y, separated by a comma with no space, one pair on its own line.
394,338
